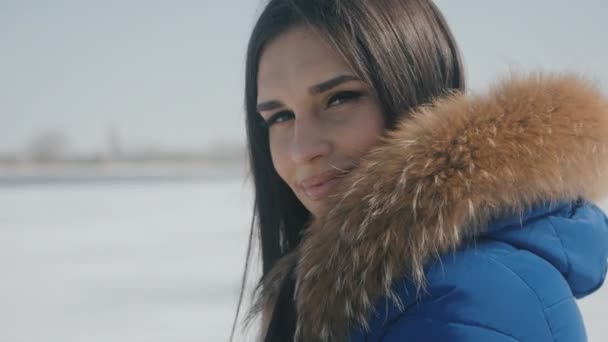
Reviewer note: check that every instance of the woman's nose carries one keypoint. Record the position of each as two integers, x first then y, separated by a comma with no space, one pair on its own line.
309,142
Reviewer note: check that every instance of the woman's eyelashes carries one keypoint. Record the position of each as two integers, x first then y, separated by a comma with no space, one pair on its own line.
278,117
343,97
335,100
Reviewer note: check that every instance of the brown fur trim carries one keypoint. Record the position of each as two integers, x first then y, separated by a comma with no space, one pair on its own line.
438,179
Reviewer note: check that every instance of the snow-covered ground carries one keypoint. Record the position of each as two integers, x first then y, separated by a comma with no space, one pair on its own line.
135,261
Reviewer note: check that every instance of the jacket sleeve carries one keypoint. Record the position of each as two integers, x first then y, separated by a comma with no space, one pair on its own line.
419,328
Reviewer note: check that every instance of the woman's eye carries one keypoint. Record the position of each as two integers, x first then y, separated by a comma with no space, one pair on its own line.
279,117
343,97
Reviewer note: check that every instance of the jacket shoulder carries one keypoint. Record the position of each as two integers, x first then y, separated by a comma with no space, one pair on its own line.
487,289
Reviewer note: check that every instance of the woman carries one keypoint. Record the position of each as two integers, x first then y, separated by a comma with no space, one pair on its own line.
391,206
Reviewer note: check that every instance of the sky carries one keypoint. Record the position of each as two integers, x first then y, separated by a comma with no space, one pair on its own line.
171,73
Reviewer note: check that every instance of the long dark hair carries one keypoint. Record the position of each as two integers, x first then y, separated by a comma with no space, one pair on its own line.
402,48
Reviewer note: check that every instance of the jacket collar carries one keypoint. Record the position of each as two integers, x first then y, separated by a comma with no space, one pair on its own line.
438,179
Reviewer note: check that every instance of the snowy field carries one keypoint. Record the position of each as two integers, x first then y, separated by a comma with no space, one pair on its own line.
135,261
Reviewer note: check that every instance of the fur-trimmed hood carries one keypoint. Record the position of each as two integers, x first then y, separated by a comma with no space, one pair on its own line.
438,179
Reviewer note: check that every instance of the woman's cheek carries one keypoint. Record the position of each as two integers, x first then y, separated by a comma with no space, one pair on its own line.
279,156
276,140
367,126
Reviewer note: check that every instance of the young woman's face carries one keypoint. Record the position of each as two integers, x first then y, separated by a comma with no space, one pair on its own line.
321,117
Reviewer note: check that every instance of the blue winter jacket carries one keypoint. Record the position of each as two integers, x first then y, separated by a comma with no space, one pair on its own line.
518,282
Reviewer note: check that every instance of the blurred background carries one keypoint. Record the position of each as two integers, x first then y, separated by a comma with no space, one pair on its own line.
125,203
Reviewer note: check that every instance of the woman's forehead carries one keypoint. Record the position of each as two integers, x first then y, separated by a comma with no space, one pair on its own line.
300,56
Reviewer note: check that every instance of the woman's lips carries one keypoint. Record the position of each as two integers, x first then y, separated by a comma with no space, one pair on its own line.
320,191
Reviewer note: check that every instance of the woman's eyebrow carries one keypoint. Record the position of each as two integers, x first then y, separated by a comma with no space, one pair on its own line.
269,105
331,83
315,89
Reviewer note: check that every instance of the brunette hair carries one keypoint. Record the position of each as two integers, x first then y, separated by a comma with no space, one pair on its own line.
402,48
